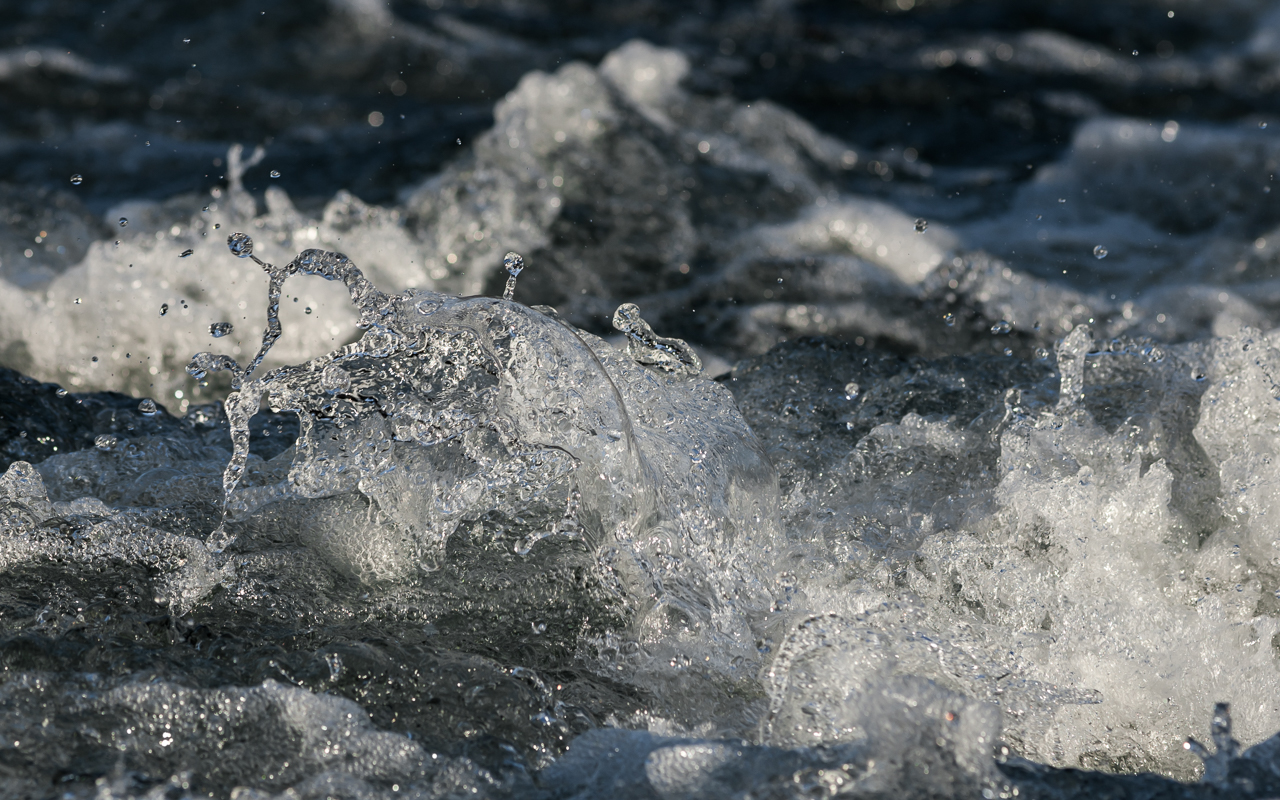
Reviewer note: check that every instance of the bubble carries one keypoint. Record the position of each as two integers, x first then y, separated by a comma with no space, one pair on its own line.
186,253
851,390
949,319
922,225
275,173
219,329
1001,327
147,406
105,441
164,309
1099,252
240,245
77,179
124,221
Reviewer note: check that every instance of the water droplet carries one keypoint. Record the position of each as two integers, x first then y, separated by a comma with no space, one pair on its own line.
61,393
308,309
240,244
1041,353
922,225
147,407
1135,52
77,301
1262,125
851,390
1062,199
186,253
275,173
1001,327
459,141
94,359
77,179
1099,252
949,319
514,264
124,221
1008,351
164,309
219,329
105,441
186,41
1197,375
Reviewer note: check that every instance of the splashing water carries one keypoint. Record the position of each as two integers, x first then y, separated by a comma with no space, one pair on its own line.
514,264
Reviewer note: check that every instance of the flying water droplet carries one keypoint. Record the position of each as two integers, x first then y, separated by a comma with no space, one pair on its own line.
922,225
105,441
307,309
1001,327
852,390
1041,353
77,301
240,245
275,173
61,393
514,264
1099,252
186,253
164,309
147,407
1262,125
219,329
949,319
186,41
77,179
124,221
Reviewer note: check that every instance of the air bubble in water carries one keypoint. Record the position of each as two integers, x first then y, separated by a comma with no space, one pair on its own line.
922,225
1001,327
275,173
186,253
949,319
164,309
147,407
219,329
514,264
105,441
124,221
1099,252
240,245
76,179
851,390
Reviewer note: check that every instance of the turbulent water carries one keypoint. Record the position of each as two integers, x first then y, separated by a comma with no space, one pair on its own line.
654,400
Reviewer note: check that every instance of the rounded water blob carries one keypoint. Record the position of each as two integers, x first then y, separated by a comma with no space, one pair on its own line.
147,407
1001,327
164,309
61,393
949,319
123,221
105,441
307,309
1099,252
275,173
240,245
514,263
851,390
922,225
77,179
185,253
219,329
1041,353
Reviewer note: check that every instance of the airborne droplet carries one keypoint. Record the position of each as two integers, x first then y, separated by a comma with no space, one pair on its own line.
124,221
1099,252
1001,327
105,441
922,225
186,253
851,390
949,319
76,179
240,244
275,173
219,329
147,407
164,309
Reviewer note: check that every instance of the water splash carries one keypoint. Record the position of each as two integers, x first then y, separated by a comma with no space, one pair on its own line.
514,264
646,347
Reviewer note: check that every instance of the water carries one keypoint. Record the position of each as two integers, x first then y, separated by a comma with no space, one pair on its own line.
816,455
